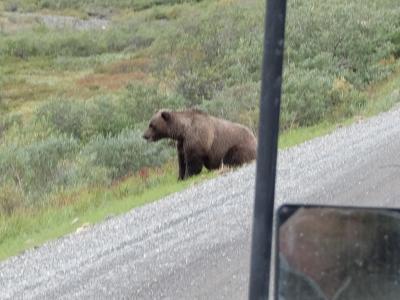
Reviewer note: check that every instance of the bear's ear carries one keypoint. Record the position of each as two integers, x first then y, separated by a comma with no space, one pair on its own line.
166,115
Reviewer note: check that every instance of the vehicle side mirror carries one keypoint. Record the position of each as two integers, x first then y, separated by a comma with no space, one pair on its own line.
337,253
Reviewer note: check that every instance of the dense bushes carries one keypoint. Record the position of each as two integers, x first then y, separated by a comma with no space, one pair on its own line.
395,39
326,43
29,173
34,168
211,52
238,103
105,116
347,39
207,56
140,102
64,43
125,153
83,120
77,143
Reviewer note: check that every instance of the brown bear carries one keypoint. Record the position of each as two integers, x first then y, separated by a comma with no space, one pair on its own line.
202,140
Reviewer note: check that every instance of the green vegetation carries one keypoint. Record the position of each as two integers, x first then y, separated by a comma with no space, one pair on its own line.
22,231
34,5
74,102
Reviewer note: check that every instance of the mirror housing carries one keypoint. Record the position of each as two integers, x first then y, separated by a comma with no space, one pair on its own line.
339,253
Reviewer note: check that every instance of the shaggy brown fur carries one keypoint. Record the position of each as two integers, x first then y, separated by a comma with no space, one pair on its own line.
202,140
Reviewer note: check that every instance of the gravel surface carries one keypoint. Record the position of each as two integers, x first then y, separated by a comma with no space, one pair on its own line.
60,22
195,244
73,23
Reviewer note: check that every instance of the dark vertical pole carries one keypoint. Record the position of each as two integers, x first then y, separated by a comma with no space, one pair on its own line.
267,149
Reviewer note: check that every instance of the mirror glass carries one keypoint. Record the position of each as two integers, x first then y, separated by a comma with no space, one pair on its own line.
338,253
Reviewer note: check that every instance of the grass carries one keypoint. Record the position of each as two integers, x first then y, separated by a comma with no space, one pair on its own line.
299,135
90,5
30,229
381,97
384,95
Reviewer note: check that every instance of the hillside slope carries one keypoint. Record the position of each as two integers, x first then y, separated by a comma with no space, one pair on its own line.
74,97
195,244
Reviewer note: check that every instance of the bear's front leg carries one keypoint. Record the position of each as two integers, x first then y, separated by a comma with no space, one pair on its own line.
181,160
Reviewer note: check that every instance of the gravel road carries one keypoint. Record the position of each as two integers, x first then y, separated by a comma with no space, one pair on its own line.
195,244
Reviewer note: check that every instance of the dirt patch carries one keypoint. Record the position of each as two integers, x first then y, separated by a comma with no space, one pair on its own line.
61,22
110,81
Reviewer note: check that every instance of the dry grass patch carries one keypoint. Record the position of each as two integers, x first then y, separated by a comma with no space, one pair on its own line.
110,81
22,92
384,86
127,66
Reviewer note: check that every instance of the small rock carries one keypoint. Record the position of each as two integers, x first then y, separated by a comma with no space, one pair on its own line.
82,228
110,216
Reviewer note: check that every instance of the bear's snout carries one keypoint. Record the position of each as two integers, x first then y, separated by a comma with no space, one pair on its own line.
146,137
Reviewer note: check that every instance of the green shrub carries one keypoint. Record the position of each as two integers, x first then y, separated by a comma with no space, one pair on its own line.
311,96
199,85
125,154
305,100
63,116
84,119
34,168
78,171
101,118
395,39
51,43
352,35
11,199
239,104
105,116
63,42
222,48
243,62
11,6
344,100
140,102
30,173
211,51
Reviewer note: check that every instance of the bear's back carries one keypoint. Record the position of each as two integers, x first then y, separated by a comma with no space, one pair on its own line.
216,134
227,134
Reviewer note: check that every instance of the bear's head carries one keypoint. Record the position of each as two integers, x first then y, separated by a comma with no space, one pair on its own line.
159,126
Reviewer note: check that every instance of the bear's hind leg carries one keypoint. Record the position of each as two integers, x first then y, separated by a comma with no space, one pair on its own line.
193,166
212,165
238,155
181,160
